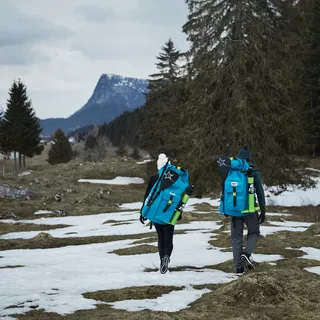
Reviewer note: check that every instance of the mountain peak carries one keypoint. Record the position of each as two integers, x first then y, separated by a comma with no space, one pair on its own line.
112,95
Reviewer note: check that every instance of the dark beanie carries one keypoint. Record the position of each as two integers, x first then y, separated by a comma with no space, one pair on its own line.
245,153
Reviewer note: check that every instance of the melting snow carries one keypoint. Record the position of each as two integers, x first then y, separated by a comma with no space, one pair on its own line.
171,302
194,201
275,214
144,161
115,181
294,196
132,206
312,254
25,173
94,225
59,287
43,212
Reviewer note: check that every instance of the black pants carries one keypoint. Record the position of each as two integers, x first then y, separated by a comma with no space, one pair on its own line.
165,239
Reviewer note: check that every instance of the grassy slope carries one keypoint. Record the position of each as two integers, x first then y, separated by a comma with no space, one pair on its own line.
285,291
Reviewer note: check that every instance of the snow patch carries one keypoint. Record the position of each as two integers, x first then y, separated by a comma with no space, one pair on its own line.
190,206
59,289
144,161
115,181
94,225
25,173
171,302
43,212
294,197
311,254
293,224
132,206
275,214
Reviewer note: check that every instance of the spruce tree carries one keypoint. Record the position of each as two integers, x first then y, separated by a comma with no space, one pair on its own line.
168,67
91,142
60,151
245,88
162,117
21,127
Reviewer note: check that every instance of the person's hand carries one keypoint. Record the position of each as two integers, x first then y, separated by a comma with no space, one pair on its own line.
262,218
180,217
142,219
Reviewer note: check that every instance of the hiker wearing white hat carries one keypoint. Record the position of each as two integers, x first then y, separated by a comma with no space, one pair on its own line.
164,231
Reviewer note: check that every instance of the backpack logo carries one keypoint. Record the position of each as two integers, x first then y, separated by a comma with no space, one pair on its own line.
169,176
221,162
234,183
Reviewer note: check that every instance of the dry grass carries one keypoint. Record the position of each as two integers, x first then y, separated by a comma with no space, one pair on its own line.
21,227
142,249
12,267
77,198
137,293
51,242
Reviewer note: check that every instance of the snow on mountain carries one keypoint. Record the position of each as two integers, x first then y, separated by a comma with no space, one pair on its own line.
113,95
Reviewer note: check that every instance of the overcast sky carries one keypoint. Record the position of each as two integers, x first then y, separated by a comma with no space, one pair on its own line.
59,48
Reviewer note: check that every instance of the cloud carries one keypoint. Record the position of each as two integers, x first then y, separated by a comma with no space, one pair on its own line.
96,14
21,55
17,27
20,32
163,13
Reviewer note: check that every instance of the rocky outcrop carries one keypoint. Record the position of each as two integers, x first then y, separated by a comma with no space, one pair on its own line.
14,192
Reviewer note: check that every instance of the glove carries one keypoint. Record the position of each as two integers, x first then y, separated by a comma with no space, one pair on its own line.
142,219
262,218
180,217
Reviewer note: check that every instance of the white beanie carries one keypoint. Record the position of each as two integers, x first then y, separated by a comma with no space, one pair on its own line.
162,160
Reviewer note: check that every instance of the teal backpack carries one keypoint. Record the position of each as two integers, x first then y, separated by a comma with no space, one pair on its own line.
238,192
168,196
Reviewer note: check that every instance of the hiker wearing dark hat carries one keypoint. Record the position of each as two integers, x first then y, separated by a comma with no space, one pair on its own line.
164,231
252,221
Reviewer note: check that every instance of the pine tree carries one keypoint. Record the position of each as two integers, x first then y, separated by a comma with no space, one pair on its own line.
162,122
21,127
168,67
60,151
245,88
90,143
135,154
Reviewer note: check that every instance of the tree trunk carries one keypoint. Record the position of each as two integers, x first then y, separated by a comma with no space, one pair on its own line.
19,160
24,160
15,162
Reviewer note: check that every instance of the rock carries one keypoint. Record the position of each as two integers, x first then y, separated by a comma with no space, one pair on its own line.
36,181
8,215
68,190
43,236
58,197
60,213
14,192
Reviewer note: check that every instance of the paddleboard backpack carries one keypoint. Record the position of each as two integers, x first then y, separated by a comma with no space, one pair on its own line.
238,192
169,195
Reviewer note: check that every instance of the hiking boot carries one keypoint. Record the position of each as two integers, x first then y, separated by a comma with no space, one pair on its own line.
164,264
240,270
245,258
